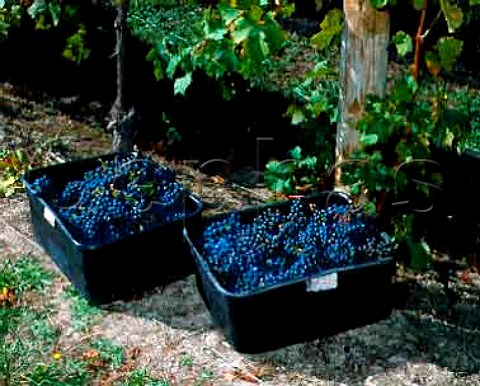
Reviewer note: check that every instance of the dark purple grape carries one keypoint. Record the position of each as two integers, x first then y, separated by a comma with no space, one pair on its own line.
276,248
122,197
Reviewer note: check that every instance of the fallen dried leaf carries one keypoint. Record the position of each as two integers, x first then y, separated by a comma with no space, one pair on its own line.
217,180
239,375
465,277
90,354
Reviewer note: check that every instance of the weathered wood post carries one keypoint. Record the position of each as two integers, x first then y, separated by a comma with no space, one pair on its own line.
121,116
363,70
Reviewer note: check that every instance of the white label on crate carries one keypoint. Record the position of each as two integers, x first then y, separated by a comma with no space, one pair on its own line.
49,216
323,283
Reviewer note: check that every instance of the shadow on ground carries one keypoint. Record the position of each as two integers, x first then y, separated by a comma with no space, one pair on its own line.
178,305
427,329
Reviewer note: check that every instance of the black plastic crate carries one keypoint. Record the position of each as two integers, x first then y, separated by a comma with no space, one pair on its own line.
300,310
457,228
116,270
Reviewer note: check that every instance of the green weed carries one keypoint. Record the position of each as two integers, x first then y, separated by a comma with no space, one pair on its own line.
83,315
141,377
31,275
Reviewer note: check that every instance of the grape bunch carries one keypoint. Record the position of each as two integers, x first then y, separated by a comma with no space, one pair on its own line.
121,197
279,246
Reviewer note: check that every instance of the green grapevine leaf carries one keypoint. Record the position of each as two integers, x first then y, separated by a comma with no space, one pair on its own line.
419,4
243,29
473,3
148,189
296,114
377,157
264,46
297,117
181,84
449,50
216,34
379,3
228,14
254,51
175,60
296,153
274,34
255,13
288,9
309,163
369,139
453,15
278,176
419,254
331,27
76,49
55,11
405,90
278,185
433,63
158,70
37,7
403,42
280,168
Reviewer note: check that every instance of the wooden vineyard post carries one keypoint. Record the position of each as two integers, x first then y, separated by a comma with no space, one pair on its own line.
120,116
363,70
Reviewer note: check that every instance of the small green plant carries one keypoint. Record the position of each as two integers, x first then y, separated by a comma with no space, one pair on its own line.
32,276
12,165
68,372
141,377
316,97
15,163
22,327
109,353
315,112
204,377
30,348
187,361
88,363
76,49
83,315
296,175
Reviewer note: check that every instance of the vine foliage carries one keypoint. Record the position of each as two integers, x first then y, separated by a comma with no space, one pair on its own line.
399,131
233,38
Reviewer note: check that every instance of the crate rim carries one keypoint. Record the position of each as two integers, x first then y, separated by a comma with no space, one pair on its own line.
198,258
59,165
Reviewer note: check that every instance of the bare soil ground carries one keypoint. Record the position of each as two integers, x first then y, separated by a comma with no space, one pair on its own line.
426,340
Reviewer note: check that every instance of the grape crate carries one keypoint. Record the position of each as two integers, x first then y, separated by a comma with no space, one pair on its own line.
294,271
121,197
106,222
